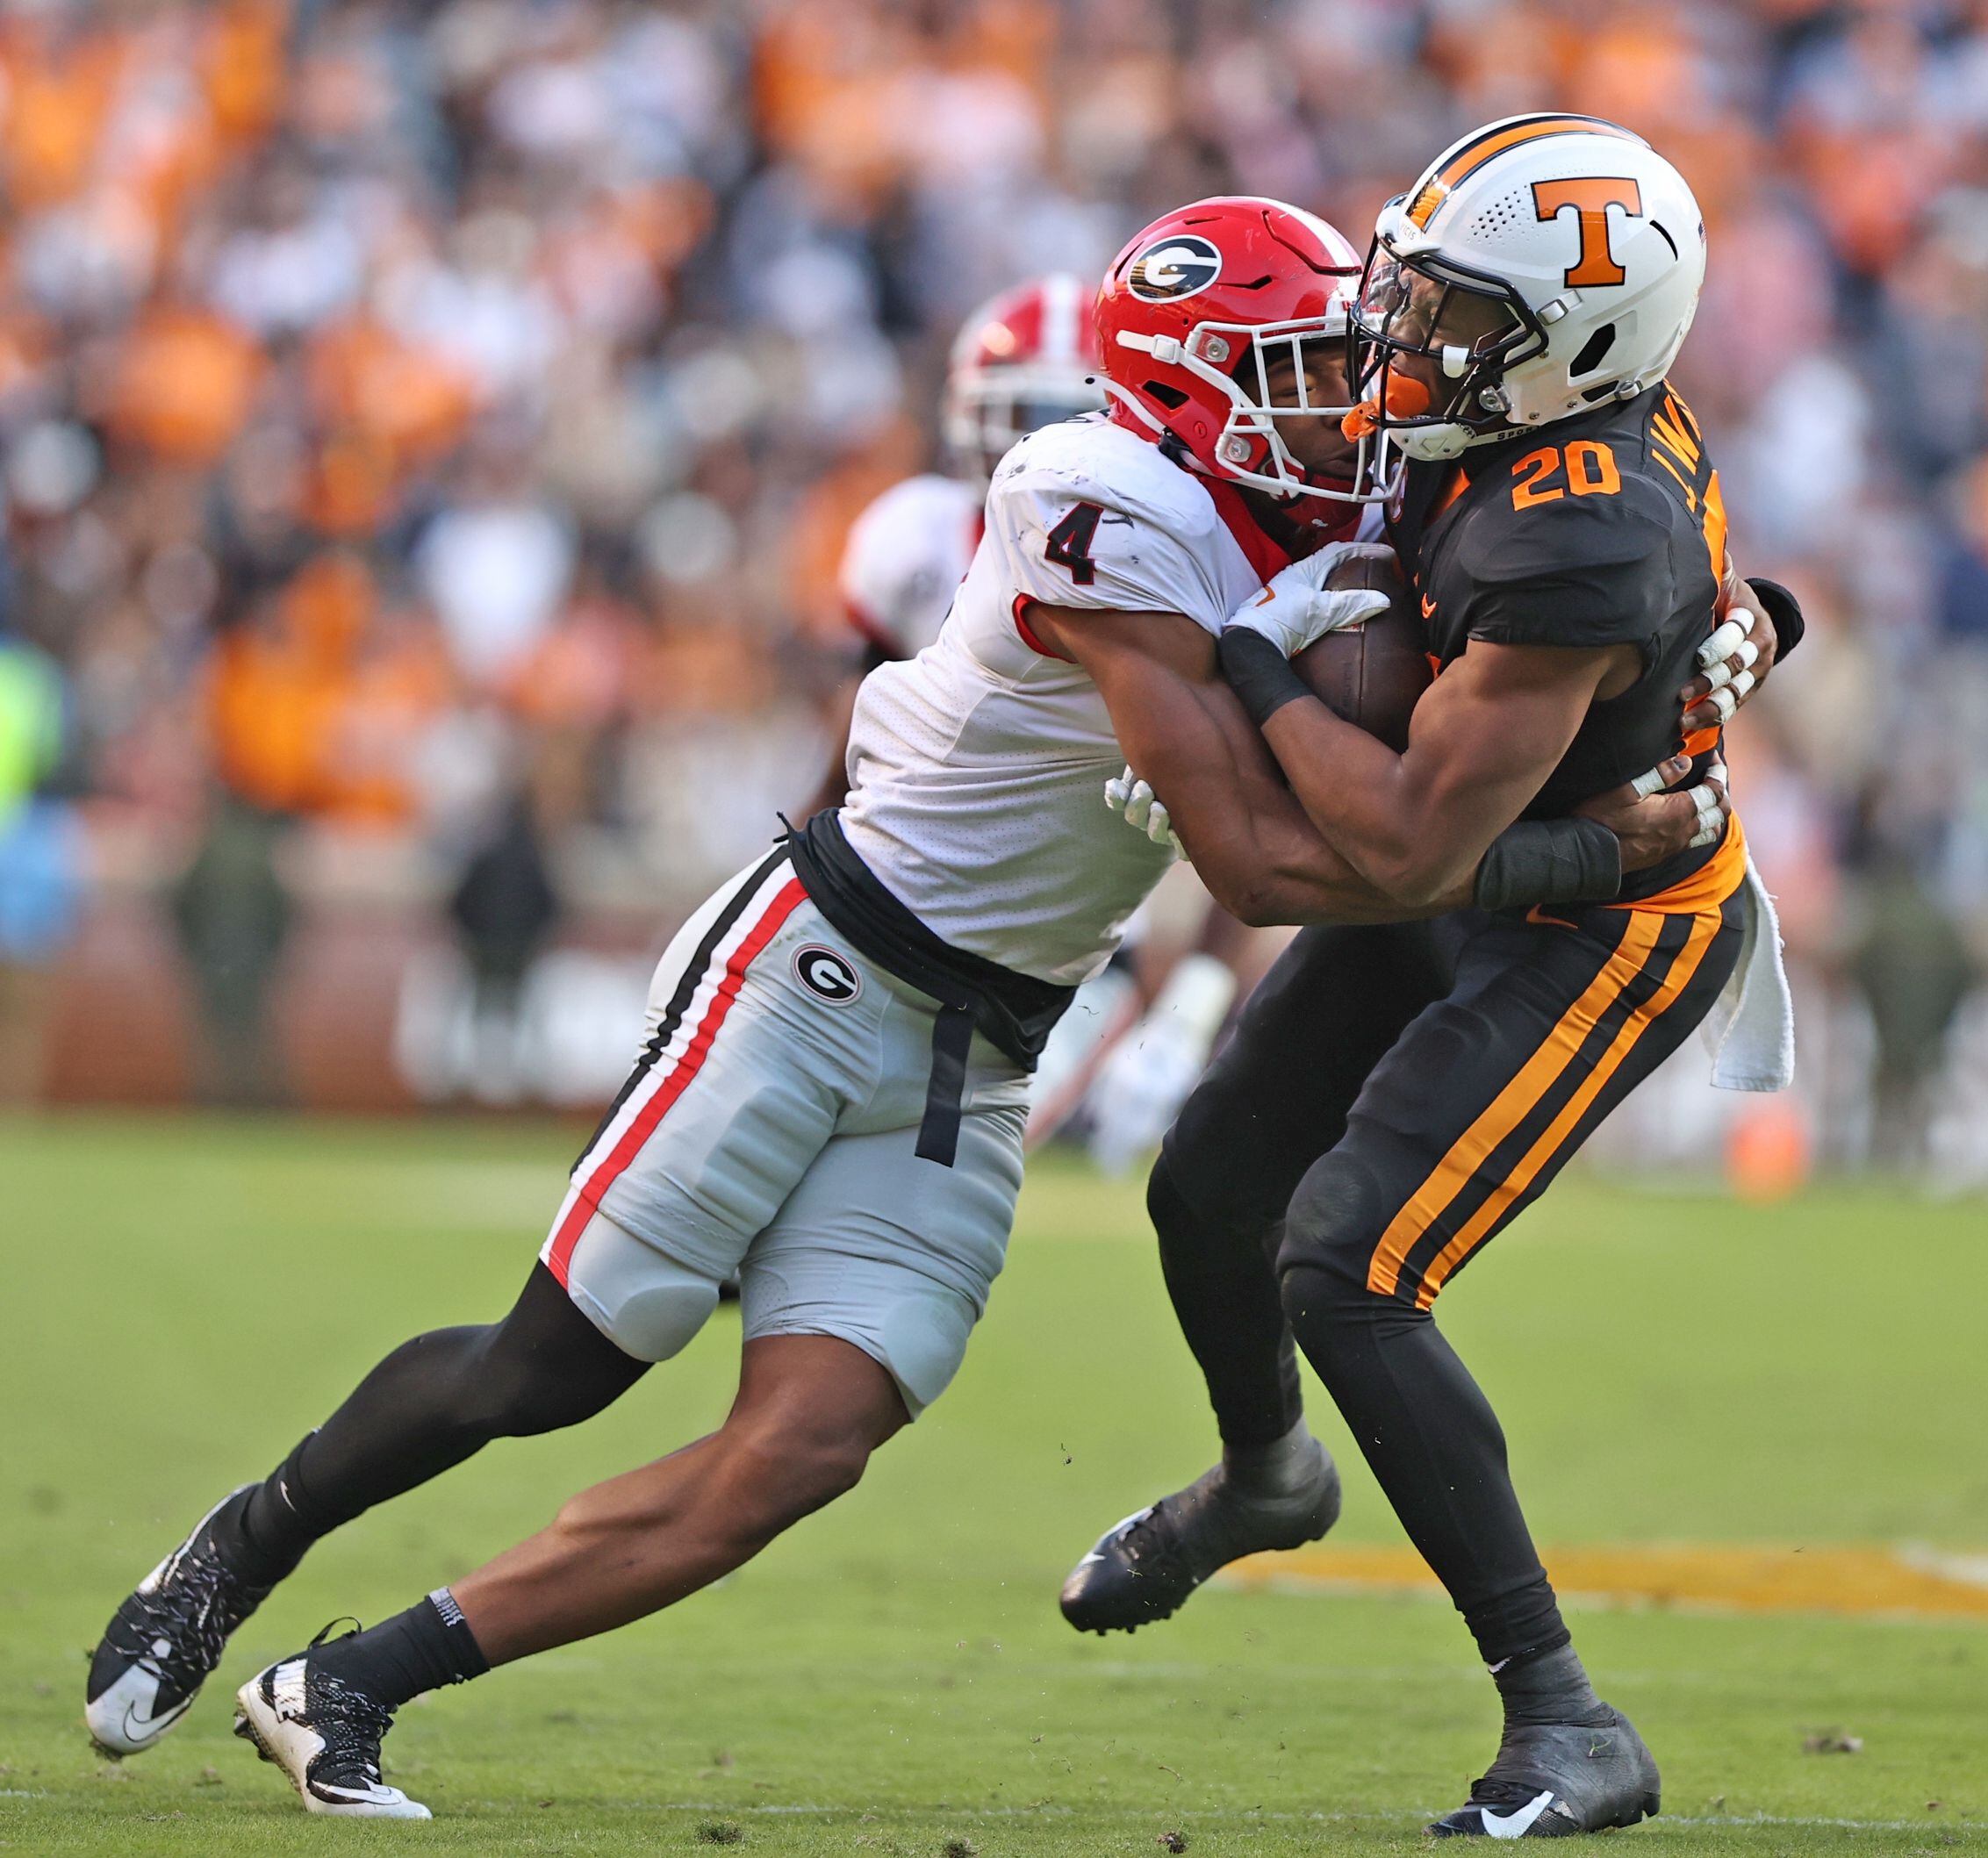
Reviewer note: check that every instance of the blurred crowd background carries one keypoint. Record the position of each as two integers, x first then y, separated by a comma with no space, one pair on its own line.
428,432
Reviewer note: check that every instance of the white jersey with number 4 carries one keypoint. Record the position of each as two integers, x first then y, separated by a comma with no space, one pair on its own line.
977,769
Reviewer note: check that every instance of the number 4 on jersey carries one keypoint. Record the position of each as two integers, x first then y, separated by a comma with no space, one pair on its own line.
1070,542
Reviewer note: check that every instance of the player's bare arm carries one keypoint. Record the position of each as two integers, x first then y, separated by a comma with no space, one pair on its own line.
1182,727
1481,744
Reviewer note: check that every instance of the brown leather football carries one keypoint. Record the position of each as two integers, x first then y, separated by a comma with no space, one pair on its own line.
1372,674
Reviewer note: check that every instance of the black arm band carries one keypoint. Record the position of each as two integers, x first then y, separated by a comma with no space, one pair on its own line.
1785,610
1550,861
1257,672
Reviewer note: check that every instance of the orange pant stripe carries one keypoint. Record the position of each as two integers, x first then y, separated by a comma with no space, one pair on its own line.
1480,1223
1512,1104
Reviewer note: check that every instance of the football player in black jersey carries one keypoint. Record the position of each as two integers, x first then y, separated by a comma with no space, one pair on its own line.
1393,1096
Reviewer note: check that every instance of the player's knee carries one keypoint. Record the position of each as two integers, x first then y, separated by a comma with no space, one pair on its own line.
1335,1221
658,1321
782,1466
509,1395
647,1303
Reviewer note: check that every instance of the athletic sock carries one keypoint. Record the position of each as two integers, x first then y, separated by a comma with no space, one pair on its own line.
421,1649
253,1559
278,1521
1548,1687
1284,1468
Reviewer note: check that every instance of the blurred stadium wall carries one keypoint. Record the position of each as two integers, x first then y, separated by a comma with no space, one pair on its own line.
427,433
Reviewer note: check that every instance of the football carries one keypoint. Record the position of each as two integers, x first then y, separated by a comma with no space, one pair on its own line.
1372,674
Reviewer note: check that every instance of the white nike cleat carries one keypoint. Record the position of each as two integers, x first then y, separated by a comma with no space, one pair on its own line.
165,1639
325,1734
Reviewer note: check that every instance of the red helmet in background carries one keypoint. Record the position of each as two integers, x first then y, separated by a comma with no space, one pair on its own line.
1197,307
1024,359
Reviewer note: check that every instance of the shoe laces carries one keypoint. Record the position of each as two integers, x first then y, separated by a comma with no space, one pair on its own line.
194,1609
1150,1539
351,1725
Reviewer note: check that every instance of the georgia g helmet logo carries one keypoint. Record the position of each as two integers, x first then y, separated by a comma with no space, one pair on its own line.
827,974
1176,266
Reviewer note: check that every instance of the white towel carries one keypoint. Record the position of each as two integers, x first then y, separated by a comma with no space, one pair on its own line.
1750,1030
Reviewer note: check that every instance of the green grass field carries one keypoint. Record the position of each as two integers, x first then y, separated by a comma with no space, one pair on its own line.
183,1297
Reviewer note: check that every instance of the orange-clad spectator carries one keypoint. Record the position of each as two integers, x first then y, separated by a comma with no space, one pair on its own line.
184,385
400,685
325,714
388,406
821,524
414,400
242,67
60,86
830,82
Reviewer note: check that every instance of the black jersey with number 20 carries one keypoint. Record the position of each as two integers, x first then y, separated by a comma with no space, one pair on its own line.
1605,529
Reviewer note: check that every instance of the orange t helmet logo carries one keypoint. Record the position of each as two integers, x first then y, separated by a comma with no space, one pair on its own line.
1592,197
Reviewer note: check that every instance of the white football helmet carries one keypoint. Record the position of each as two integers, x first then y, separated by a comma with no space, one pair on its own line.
1565,251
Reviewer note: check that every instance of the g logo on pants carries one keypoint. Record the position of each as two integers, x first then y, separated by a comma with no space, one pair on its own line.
827,974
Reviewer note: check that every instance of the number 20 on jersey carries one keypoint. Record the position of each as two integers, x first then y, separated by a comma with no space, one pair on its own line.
1581,468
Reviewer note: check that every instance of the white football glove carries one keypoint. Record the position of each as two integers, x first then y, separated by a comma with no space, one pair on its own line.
1141,808
1298,608
1144,1082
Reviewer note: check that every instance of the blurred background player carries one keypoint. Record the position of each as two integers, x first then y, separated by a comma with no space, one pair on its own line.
1025,357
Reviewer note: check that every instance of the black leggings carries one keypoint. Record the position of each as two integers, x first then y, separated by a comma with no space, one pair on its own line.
1489,1078
436,1401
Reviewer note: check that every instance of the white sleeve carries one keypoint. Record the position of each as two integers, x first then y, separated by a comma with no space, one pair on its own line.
903,560
1067,540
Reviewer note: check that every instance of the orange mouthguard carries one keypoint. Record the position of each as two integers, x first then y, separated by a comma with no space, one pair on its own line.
1406,399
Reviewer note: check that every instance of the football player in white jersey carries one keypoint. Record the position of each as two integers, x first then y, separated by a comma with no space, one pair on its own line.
831,1095
1027,358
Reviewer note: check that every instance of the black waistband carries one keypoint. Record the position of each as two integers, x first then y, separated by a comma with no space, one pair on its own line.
1014,1012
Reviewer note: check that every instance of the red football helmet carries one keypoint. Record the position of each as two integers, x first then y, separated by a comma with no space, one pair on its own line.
1195,311
1024,359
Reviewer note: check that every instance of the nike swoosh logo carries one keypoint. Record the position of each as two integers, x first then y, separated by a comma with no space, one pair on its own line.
1428,607
1093,1556
1265,598
1517,1822
137,1725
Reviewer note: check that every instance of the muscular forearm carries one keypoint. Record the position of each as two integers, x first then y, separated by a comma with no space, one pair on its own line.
1267,871
1356,791
1261,858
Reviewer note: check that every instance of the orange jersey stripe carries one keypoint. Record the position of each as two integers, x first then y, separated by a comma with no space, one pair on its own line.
1511,1105
1715,528
1474,1229
1708,886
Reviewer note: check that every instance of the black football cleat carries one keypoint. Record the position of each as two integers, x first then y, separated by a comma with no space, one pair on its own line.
164,1640
1552,1780
325,1734
1144,1569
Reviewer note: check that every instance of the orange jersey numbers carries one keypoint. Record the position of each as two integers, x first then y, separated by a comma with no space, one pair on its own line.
1586,468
